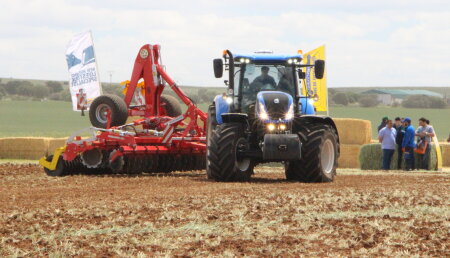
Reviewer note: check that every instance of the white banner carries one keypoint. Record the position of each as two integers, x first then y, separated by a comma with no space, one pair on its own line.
84,78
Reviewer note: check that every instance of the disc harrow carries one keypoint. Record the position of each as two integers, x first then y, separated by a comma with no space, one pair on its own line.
161,140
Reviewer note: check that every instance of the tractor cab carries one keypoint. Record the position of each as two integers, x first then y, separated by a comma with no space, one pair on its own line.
264,84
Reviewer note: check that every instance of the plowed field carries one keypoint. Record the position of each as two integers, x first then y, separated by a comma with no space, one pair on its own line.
184,214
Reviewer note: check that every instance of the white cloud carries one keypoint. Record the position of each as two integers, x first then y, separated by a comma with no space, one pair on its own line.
386,43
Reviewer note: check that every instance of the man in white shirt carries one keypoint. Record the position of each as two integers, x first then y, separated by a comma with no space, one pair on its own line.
387,138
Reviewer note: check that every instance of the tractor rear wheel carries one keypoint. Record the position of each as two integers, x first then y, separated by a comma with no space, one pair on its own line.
100,106
171,106
59,170
318,162
224,163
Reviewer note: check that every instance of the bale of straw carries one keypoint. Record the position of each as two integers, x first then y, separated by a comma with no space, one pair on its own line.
54,143
445,149
371,158
22,148
353,131
349,157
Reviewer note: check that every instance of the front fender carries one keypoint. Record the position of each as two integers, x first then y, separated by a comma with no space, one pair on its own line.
321,119
221,108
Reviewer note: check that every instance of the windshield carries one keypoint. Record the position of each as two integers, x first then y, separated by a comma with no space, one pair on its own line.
259,77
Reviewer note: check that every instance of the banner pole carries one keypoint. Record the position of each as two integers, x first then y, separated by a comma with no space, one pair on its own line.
96,64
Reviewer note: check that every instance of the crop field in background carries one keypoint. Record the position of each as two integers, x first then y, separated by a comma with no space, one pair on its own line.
439,118
56,118
184,214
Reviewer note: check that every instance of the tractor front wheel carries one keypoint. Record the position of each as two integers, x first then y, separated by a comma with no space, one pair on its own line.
224,162
320,153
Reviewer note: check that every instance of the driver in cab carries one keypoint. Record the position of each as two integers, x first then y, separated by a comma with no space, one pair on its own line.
265,78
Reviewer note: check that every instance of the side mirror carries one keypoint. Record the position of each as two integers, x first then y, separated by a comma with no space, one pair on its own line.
319,68
218,67
301,74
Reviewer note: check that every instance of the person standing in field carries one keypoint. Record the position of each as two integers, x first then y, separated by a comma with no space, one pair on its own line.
398,140
383,123
387,138
424,132
408,144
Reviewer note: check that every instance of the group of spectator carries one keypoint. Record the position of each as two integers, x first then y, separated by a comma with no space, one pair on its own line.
402,136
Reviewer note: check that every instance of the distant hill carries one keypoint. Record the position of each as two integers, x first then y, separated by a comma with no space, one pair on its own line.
442,90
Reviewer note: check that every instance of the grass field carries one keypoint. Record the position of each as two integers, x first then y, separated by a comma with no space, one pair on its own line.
56,119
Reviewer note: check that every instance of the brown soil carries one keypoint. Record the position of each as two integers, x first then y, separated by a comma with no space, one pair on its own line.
184,214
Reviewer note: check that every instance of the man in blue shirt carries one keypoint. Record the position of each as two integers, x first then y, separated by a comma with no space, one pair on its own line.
387,138
408,144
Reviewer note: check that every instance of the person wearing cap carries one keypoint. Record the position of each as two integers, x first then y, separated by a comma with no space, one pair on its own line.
383,123
398,140
424,132
265,78
387,138
408,144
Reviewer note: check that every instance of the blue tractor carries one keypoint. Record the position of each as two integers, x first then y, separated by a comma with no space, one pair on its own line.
263,118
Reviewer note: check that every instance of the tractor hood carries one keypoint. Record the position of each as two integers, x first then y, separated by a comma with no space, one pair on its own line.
274,106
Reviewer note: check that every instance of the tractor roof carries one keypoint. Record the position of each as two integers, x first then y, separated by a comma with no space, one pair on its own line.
267,57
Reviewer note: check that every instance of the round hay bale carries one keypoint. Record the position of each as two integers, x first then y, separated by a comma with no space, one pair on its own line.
349,157
353,131
371,158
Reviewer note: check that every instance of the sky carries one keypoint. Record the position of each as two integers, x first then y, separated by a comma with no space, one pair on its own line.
368,43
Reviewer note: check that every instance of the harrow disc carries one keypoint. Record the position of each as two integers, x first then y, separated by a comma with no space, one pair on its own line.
92,158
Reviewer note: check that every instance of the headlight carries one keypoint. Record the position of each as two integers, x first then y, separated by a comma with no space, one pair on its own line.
229,100
271,127
262,112
282,127
290,114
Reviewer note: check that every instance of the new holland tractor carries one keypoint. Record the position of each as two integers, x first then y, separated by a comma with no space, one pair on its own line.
263,118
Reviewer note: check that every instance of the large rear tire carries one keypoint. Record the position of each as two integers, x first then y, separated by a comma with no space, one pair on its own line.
319,154
103,103
210,127
223,161
171,106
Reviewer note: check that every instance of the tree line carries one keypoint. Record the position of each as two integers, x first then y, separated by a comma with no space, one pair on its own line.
370,100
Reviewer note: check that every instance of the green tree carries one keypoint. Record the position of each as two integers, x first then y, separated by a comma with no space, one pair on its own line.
54,86
25,89
40,92
340,98
353,97
368,101
11,87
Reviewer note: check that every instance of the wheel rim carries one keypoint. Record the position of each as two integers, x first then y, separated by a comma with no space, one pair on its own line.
243,164
327,156
100,113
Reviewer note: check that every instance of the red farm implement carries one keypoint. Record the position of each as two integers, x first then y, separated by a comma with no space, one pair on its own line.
162,140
